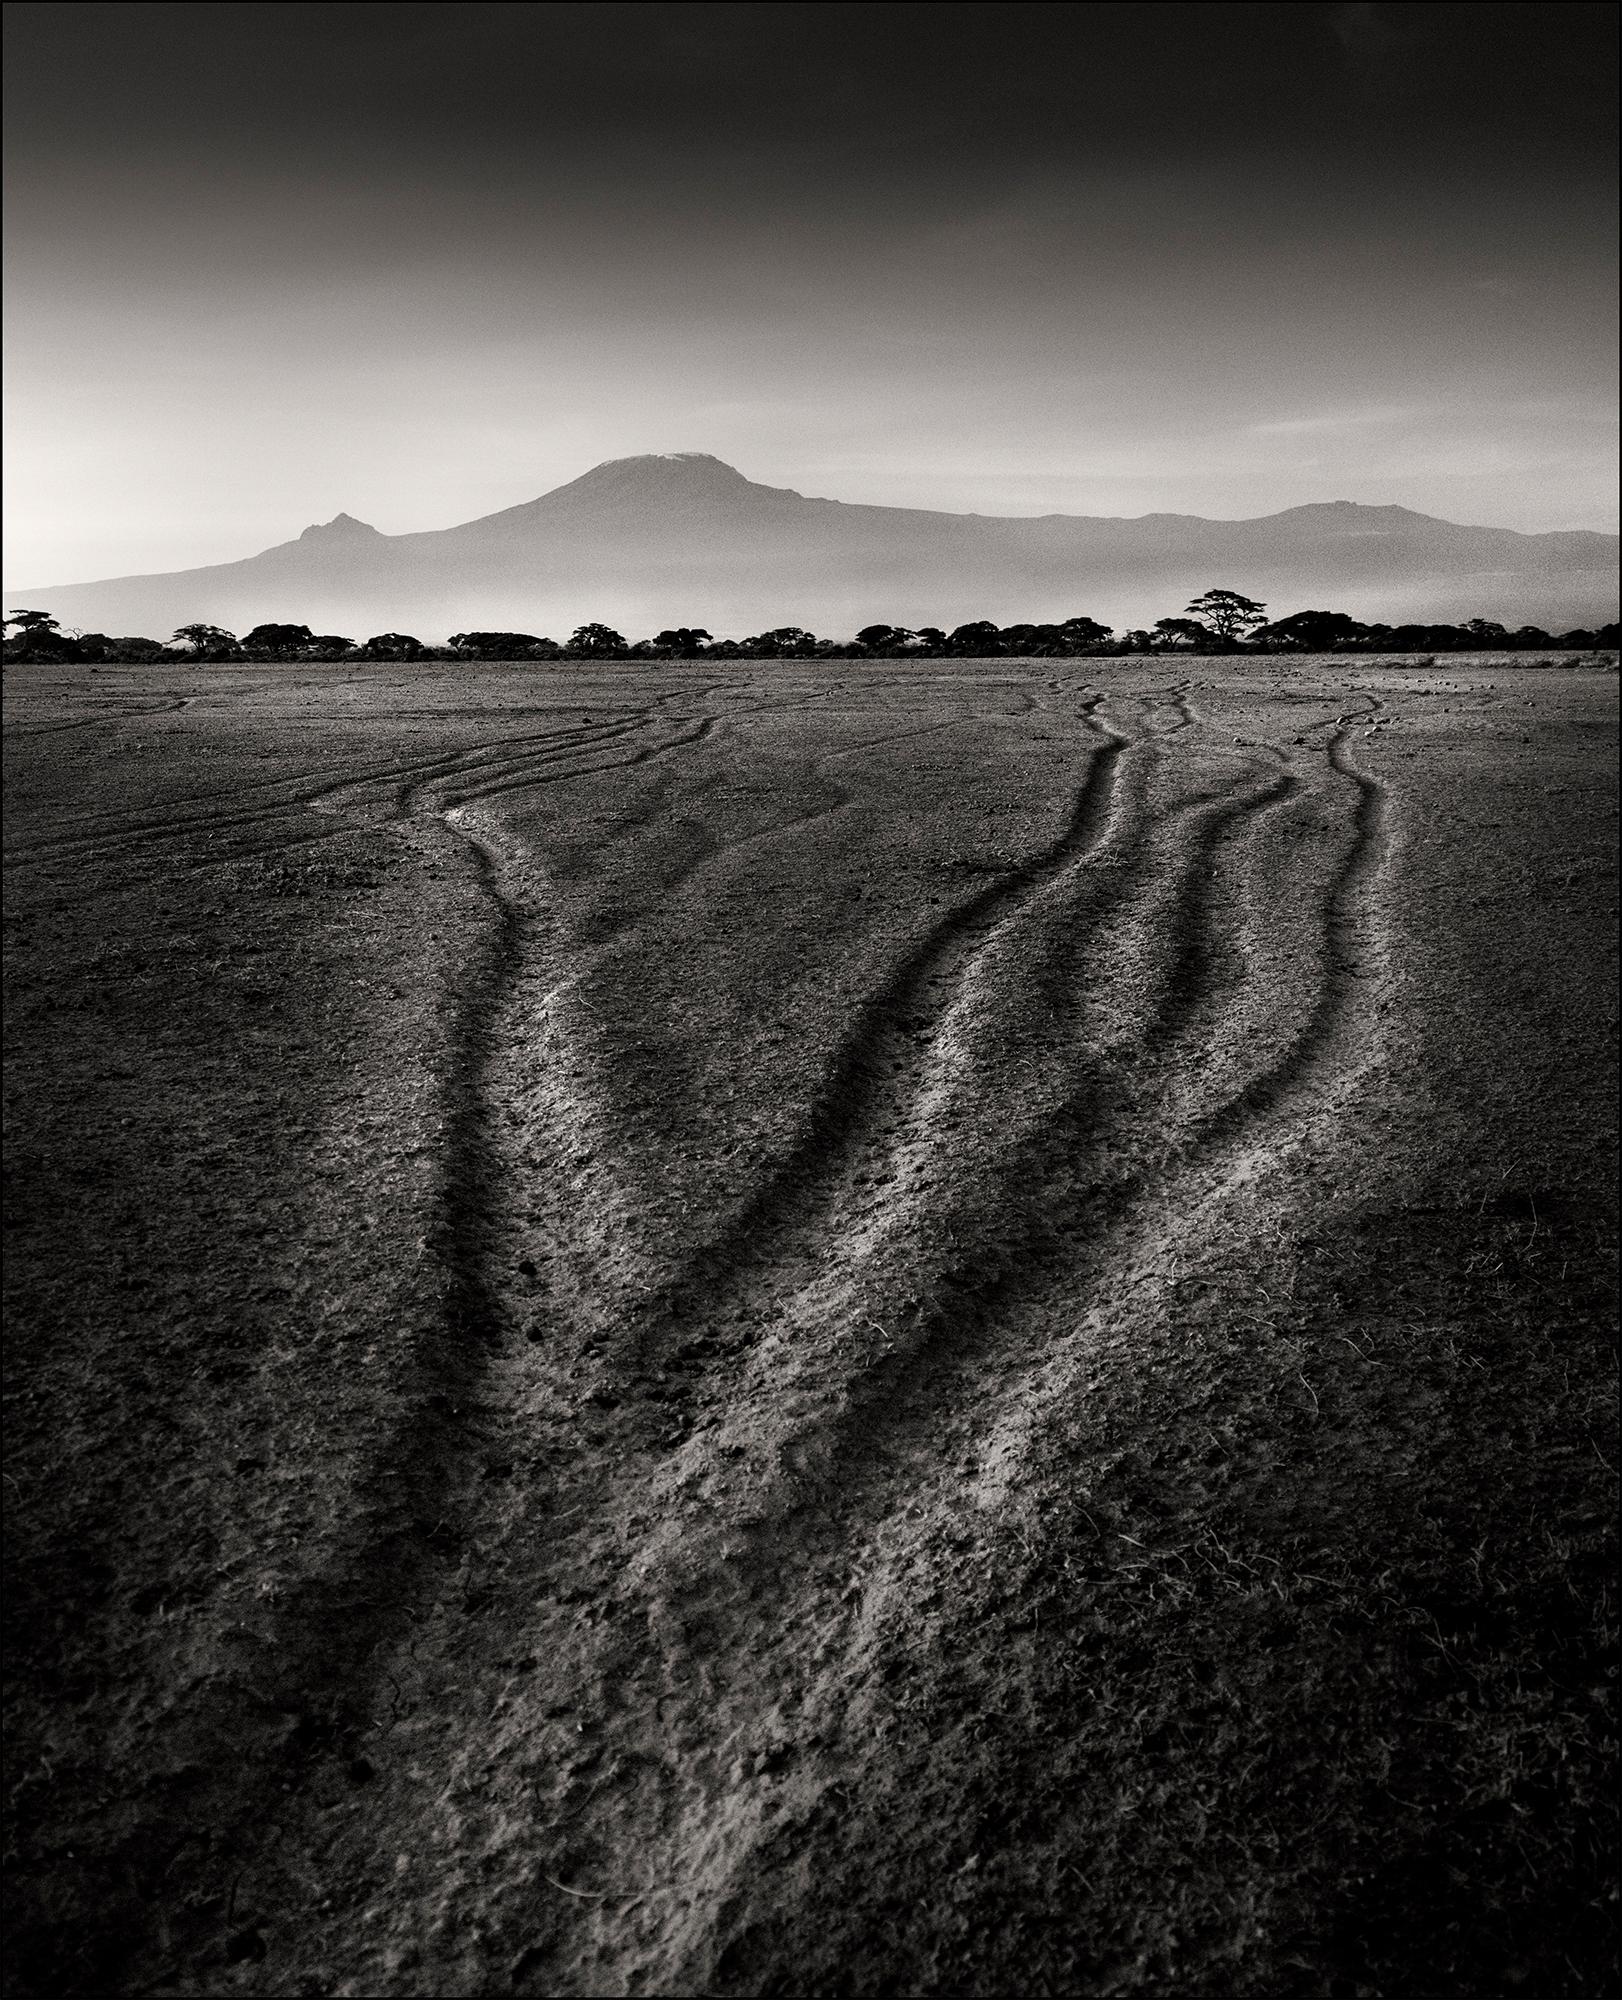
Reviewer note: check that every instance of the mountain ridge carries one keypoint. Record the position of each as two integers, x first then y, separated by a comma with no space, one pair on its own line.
671,538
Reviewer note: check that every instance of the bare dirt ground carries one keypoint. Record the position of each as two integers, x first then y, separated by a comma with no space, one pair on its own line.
833,1329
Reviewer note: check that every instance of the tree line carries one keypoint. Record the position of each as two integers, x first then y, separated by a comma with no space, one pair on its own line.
1218,621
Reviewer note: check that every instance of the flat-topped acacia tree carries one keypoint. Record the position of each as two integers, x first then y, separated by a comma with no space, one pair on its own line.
596,640
783,641
1309,631
206,639
1187,632
280,638
503,646
685,641
38,638
1227,614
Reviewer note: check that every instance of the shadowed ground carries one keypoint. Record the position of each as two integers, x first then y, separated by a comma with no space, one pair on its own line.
812,1328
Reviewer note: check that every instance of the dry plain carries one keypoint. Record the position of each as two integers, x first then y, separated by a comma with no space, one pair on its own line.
806,1327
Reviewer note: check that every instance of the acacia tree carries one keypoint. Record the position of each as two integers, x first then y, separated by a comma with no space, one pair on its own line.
1180,632
280,638
686,641
1310,632
886,638
38,638
596,640
783,641
976,639
496,645
206,639
1085,632
1226,614
393,646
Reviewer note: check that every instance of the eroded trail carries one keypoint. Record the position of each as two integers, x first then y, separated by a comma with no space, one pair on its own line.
896,1339
609,1579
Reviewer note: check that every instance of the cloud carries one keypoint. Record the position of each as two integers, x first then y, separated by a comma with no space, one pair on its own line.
1336,421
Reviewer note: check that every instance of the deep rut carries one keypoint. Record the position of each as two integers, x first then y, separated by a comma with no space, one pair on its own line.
958,1350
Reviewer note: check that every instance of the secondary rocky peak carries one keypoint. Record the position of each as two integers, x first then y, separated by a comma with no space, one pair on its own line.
342,527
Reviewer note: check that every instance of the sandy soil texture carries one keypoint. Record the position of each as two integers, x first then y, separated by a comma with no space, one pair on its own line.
812,1328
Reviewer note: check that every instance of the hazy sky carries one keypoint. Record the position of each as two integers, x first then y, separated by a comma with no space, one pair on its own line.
423,262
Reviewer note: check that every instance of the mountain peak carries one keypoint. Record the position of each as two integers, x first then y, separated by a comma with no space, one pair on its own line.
342,527
666,485
1346,508
664,469
705,458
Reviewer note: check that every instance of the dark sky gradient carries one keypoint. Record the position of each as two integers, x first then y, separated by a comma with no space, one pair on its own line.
423,262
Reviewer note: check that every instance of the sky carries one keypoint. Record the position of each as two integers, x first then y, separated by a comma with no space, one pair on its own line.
421,262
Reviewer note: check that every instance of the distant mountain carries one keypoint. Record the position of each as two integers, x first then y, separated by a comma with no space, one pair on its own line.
683,539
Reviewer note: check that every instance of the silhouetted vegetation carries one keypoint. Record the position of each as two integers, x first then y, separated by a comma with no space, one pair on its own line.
502,646
683,642
1180,634
1228,614
37,638
205,641
393,646
283,641
1217,622
592,642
